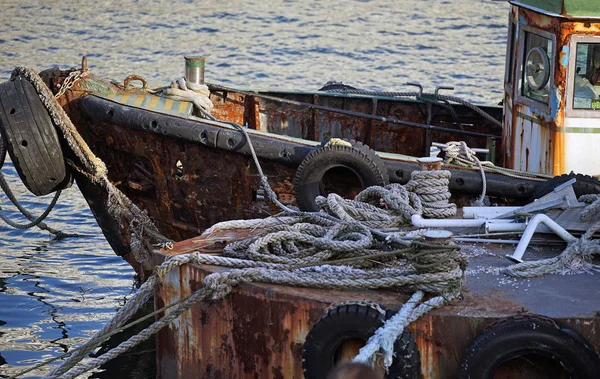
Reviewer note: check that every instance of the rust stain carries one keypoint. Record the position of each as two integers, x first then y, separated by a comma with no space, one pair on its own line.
259,329
423,334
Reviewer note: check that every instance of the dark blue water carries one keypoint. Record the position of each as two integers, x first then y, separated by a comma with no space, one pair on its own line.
56,293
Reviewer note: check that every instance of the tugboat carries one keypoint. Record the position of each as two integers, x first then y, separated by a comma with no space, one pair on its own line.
163,165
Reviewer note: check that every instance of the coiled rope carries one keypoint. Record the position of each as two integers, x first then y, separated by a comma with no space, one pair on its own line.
301,250
324,250
432,189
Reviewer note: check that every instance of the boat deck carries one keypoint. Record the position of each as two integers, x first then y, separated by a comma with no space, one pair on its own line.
275,319
486,289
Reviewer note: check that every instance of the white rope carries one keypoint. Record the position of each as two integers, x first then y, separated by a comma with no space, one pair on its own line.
280,256
460,153
592,209
198,94
385,337
432,189
576,258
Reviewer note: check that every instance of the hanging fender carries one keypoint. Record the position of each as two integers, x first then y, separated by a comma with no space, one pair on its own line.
31,138
529,337
345,325
351,155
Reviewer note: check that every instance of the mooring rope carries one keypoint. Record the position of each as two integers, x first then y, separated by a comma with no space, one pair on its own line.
385,337
432,189
460,153
33,220
593,208
9,193
198,94
301,250
143,231
576,257
375,206
340,249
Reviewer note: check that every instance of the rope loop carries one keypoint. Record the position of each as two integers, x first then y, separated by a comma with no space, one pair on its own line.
462,155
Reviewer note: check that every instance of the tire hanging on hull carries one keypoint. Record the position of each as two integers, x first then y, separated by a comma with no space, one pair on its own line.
324,343
529,337
31,138
358,158
584,185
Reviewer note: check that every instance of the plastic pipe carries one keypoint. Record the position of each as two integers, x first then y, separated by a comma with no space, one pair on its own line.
420,222
504,226
486,212
483,240
530,230
475,149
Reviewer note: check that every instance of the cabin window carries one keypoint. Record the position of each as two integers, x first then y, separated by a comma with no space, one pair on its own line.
586,84
510,53
536,67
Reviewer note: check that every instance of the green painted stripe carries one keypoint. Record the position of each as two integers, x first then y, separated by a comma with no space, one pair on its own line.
580,130
554,129
532,119
194,62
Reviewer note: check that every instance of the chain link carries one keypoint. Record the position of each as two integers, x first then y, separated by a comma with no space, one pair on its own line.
68,83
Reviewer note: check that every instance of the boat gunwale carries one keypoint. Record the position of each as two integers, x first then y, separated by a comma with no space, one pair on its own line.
291,150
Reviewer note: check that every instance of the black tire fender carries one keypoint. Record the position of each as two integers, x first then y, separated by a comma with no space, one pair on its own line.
359,158
31,138
529,337
584,185
349,322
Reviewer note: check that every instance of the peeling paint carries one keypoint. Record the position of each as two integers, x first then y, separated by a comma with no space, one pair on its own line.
522,20
259,330
555,100
564,56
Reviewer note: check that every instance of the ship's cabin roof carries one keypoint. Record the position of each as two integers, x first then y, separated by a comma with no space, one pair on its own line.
575,9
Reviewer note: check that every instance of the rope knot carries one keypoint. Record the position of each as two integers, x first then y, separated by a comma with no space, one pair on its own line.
456,151
459,153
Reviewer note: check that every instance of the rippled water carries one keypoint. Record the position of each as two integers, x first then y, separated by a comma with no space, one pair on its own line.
54,294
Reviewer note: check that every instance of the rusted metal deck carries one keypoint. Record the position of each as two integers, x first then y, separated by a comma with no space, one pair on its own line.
258,331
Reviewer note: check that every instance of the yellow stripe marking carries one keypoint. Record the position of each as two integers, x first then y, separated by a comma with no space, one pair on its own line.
168,105
182,106
124,99
153,102
139,100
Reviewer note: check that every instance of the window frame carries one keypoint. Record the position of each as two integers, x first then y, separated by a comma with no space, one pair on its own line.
522,99
570,80
509,79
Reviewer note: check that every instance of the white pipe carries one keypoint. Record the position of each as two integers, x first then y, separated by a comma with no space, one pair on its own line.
486,212
504,226
530,230
420,222
484,240
475,149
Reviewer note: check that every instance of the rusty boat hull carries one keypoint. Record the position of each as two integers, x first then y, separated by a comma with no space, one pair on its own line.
260,330
189,173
